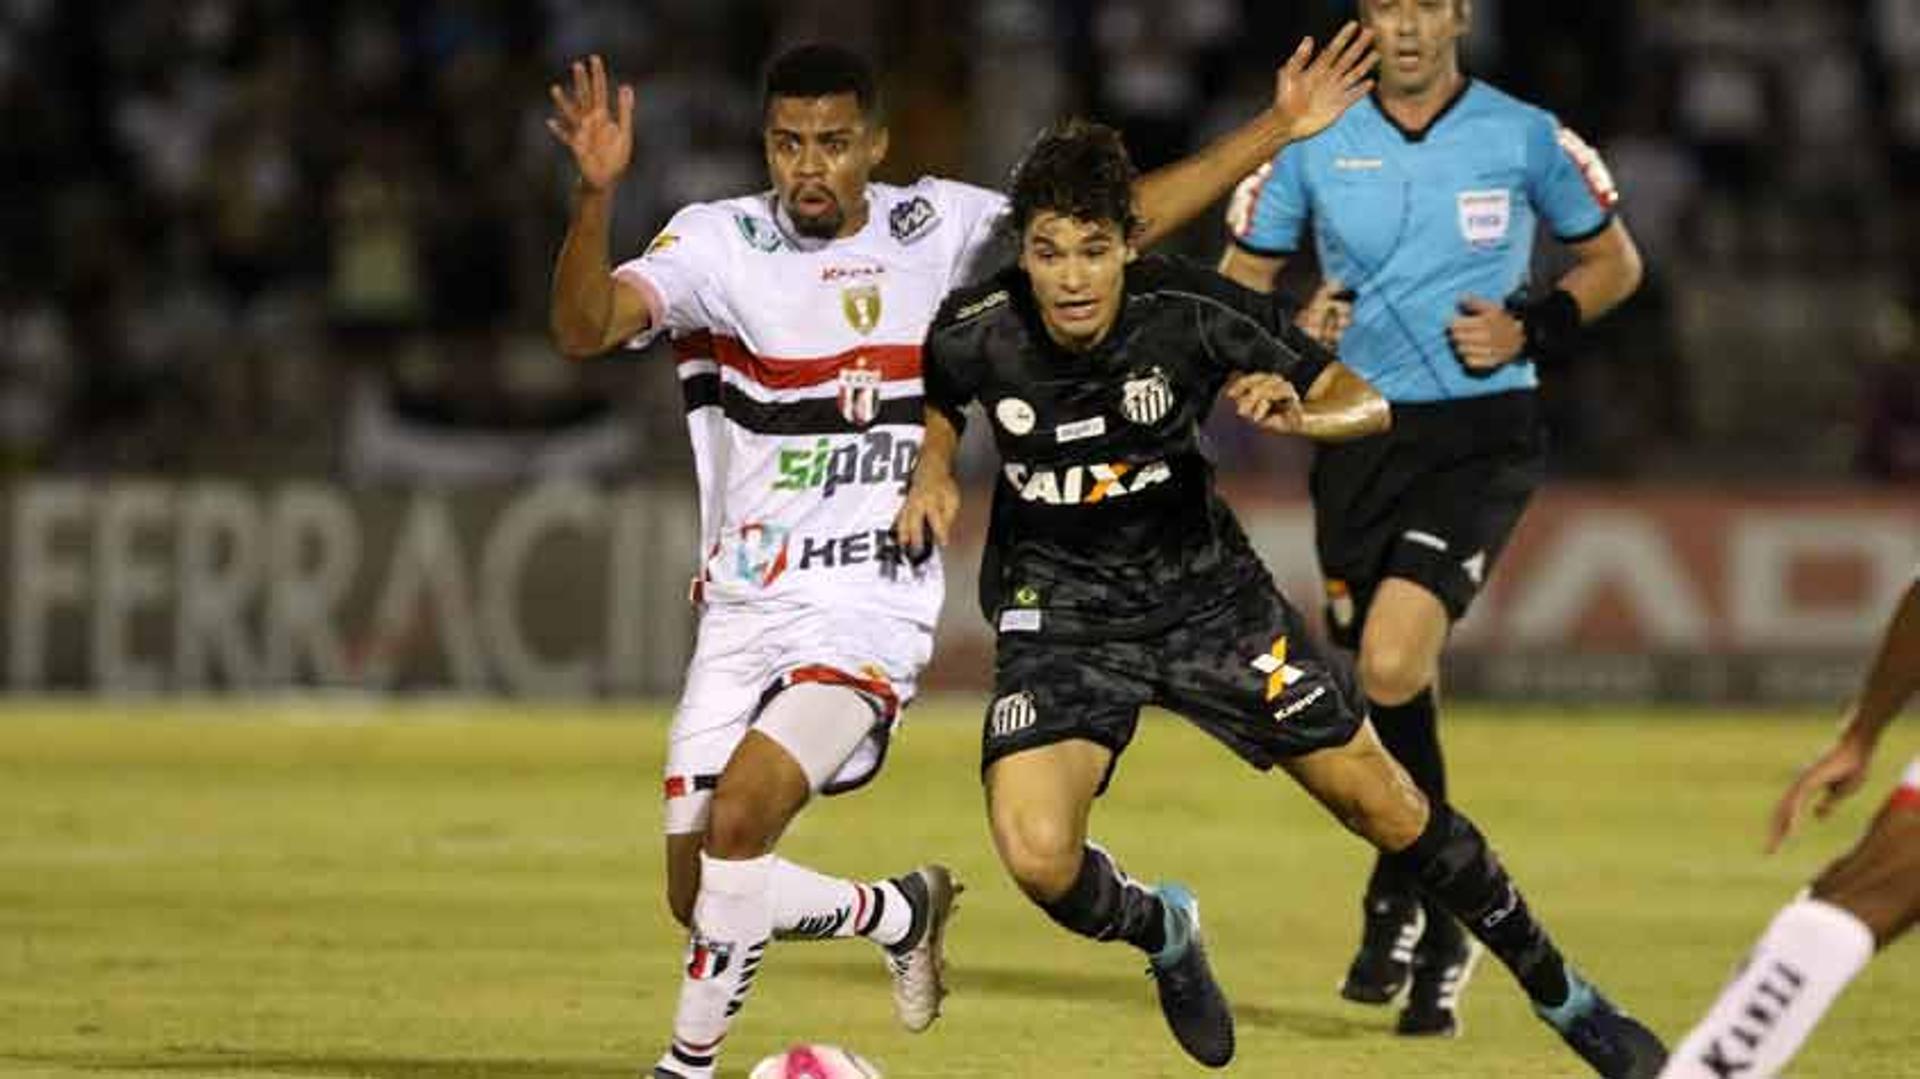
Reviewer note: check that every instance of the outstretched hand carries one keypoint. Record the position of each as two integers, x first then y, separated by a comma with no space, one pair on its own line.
1832,776
1312,91
586,122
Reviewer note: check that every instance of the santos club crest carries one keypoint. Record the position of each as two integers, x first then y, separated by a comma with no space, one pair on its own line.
860,392
1147,399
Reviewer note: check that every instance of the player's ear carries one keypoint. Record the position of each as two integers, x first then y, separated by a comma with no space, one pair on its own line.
1463,15
877,149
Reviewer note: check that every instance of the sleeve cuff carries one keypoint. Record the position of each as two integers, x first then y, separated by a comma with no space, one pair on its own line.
1252,248
650,294
1606,222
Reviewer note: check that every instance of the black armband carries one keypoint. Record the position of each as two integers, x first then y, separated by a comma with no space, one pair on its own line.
1551,324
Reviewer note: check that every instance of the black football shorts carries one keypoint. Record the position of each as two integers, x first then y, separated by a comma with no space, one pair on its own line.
1245,670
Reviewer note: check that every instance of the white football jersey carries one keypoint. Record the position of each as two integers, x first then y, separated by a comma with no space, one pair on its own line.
799,362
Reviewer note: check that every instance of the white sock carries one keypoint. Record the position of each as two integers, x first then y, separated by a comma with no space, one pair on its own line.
732,922
813,906
1806,957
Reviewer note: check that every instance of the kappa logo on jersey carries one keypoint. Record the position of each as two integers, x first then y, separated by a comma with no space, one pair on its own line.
1592,169
760,553
871,459
760,234
1485,216
1084,484
707,958
861,305
1011,714
1147,400
912,219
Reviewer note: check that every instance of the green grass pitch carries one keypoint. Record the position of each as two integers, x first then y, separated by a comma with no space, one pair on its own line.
439,890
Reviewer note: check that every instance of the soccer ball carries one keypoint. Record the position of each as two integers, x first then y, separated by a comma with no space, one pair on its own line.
814,1062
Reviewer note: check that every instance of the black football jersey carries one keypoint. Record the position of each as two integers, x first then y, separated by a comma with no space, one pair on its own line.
1105,523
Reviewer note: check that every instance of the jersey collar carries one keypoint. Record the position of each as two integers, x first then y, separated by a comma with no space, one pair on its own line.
1420,134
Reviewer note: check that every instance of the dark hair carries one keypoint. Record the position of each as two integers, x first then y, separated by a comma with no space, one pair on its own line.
1076,168
820,70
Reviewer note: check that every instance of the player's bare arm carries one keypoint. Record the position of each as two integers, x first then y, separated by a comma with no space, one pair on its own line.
933,496
1310,92
1326,314
591,312
1340,406
1842,768
1606,270
1248,270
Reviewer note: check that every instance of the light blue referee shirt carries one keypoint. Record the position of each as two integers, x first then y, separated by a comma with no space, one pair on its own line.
1414,221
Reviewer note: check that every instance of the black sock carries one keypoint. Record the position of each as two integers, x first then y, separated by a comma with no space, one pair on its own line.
1101,905
1452,862
1410,731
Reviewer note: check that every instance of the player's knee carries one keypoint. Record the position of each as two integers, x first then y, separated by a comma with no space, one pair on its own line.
1041,854
1391,673
740,826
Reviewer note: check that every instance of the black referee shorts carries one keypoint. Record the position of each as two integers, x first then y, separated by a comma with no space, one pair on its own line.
1245,670
1433,500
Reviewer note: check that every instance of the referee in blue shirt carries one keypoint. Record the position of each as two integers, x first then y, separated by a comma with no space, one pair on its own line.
1422,205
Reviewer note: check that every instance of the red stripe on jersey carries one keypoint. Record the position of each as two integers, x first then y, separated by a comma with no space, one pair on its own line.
894,362
869,682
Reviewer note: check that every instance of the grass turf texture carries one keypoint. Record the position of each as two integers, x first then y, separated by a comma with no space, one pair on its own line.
428,891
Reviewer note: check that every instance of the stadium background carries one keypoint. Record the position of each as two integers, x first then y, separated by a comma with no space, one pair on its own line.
275,393
340,617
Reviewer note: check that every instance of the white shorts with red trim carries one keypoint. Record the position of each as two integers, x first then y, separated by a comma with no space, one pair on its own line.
745,655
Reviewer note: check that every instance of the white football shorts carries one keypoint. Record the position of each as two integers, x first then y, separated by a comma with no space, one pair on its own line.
743,656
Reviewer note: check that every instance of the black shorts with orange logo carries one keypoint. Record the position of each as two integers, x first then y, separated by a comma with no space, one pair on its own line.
1245,670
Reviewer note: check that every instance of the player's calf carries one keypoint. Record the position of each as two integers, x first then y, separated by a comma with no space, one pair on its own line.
1878,881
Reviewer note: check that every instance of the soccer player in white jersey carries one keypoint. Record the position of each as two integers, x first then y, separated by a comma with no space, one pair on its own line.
797,315
1859,904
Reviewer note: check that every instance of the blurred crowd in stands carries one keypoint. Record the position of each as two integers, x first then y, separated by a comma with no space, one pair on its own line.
260,236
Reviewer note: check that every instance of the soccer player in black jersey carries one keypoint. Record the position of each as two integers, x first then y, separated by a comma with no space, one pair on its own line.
1117,578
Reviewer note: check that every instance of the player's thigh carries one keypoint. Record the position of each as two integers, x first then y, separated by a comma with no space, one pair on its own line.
1365,789
1879,879
1252,675
875,657
1406,629
1046,692
1039,799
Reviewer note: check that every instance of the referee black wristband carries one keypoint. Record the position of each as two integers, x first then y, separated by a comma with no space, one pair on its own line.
1551,323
